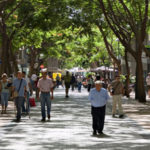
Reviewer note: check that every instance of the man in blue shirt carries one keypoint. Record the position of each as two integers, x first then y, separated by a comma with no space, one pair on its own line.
19,86
98,97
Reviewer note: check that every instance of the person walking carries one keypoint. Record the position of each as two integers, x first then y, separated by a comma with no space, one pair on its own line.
19,90
26,109
90,83
98,97
5,93
57,81
79,83
67,80
98,77
148,84
73,81
45,86
116,89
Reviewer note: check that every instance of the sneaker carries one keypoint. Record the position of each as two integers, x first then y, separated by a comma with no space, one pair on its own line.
23,113
16,120
43,119
67,96
100,133
121,116
94,132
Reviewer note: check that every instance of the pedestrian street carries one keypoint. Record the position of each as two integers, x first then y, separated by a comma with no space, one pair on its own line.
71,128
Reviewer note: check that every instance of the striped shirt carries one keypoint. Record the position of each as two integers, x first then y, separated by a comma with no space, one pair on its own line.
45,85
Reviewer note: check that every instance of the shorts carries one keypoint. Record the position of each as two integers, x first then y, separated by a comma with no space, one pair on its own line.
67,85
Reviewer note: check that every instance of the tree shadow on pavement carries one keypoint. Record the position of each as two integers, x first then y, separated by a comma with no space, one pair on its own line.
71,128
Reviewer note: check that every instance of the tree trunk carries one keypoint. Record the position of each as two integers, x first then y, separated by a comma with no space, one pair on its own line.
139,86
7,57
127,82
6,53
14,61
4,56
114,70
119,68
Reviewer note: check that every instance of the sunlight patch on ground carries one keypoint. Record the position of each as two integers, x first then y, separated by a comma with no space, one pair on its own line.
71,128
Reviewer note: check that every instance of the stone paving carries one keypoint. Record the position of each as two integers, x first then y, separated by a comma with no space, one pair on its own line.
140,112
70,127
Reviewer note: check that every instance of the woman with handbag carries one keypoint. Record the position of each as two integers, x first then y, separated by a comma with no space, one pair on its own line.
45,86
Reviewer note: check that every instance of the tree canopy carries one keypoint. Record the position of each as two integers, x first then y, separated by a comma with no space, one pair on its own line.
82,33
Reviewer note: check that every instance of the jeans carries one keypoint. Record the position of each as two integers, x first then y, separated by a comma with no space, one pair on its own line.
98,117
45,100
4,99
57,83
89,87
79,86
26,101
73,86
18,103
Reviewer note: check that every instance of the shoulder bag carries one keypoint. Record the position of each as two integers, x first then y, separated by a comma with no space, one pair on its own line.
16,93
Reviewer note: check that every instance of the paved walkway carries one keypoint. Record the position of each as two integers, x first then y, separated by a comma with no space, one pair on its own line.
70,128
140,112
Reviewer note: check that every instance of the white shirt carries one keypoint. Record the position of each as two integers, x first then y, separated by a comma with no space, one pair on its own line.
45,85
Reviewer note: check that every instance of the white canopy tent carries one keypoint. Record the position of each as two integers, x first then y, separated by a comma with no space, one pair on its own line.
103,68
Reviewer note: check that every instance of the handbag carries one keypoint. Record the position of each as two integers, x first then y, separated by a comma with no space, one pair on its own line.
16,93
114,89
32,101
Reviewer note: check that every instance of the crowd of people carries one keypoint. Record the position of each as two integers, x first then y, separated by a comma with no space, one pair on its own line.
77,81
21,88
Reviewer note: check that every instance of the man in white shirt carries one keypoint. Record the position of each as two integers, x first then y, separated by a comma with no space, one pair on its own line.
45,86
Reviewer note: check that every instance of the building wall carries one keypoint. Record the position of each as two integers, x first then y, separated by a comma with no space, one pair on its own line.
132,63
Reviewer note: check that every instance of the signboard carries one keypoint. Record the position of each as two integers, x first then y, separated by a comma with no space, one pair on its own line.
52,64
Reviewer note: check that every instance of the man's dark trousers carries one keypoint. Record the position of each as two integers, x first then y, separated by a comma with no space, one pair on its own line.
98,116
18,103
